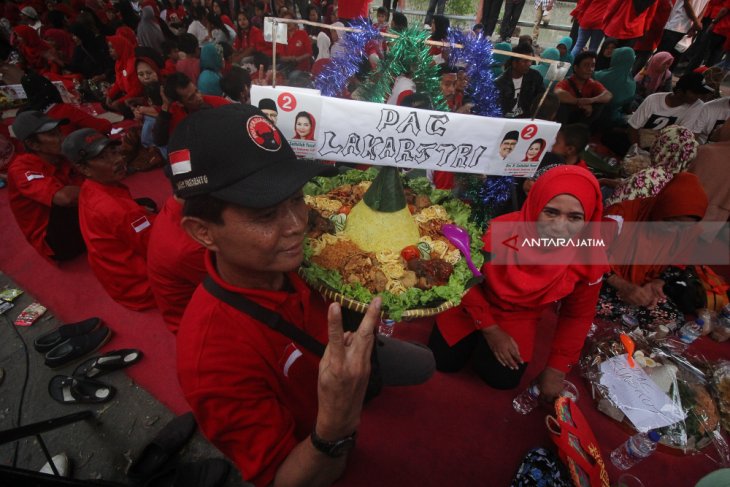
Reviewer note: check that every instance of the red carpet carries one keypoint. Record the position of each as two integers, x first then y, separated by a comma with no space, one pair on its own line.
452,431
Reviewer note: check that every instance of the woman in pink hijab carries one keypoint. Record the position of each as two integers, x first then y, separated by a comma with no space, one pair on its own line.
655,77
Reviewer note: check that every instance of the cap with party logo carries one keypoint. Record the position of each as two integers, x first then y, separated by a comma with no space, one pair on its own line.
34,122
85,144
234,153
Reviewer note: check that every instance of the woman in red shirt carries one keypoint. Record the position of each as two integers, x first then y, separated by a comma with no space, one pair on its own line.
297,53
126,84
496,325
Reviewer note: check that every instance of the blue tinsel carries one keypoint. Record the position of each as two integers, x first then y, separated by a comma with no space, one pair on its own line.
346,61
496,191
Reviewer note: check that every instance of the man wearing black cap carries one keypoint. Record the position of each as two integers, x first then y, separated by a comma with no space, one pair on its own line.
284,415
681,107
268,106
509,141
115,228
43,189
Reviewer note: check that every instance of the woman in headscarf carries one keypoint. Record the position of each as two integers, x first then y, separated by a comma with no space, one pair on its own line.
671,153
211,63
499,60
44,97
149,33
564,46
496,324
617,79
304,126
655,77
126,84
542,68
128,34
644,257
603,59
37,53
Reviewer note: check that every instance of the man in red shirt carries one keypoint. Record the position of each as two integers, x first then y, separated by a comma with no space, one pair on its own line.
175,264
115,228
581,97
180,98
281,413
43,190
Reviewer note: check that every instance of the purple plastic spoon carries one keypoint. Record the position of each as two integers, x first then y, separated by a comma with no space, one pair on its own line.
461,240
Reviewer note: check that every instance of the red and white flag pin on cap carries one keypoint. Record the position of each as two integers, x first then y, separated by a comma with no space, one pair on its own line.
180,162
140,224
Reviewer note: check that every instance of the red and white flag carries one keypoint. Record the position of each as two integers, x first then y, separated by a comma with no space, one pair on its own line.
140,224
180,162
31,175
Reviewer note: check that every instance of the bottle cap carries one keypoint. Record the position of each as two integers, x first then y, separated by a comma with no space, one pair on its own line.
654,436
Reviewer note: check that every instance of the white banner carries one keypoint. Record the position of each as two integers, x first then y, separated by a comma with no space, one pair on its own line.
333,129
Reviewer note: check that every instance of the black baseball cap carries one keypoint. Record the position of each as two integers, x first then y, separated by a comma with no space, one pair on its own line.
694,82
511,135
234,153
85,144
34,122
268,104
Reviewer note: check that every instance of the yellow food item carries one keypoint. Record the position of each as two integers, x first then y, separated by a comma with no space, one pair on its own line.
377,231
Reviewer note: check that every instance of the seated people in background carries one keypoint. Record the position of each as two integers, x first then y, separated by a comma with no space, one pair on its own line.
268,106
146,108
618,81
448,86
278,411
189,63
570,142
181,98
403,86
564,47
681,107
236,85
43,190
116,228
44,97
495,327
712,116
296,54
519,85
126,84
249,46
211,63
581,97
639,289
672,152
655,77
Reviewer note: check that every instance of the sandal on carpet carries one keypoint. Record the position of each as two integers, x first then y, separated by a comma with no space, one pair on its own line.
163,447
577,445
73,390
51,339
107,363
77,347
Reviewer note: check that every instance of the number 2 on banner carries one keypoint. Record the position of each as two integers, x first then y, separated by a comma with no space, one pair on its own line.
529,131
287,102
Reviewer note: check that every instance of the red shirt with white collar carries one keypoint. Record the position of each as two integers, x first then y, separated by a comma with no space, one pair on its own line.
175,264
116,231
32,183
252,390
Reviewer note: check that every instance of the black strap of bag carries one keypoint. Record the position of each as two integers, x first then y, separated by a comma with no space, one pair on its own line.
267,317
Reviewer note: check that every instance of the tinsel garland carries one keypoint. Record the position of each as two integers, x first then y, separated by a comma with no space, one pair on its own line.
407,55
485,196
346,61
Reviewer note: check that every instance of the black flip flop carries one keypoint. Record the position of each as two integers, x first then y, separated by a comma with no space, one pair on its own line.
77,347
73,390
49,340
107,363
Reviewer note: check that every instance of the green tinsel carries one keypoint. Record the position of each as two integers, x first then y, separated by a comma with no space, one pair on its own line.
407,55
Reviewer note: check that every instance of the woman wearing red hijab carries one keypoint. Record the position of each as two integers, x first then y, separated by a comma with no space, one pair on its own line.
304,126
38,54
496,325
126,84
128,34
639,289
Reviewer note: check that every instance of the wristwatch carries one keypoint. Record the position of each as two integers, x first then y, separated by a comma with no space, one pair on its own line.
333,449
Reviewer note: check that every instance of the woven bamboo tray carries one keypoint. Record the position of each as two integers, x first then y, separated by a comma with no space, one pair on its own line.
360,307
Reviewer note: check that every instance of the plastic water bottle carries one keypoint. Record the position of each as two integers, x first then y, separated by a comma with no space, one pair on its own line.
386,327
527,400
635,449
691,331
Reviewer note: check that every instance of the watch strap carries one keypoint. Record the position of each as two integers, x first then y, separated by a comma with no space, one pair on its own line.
335,448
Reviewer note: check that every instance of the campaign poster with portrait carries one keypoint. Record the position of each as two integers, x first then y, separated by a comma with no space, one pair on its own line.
522,145
298,111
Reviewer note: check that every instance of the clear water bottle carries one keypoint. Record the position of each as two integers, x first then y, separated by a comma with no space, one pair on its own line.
386,327
635,449
527,400
691,331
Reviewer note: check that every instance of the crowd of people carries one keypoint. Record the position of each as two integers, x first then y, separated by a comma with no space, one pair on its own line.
274,380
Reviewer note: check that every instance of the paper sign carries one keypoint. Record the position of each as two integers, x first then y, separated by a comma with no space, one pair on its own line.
637,396
374,133
281,36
